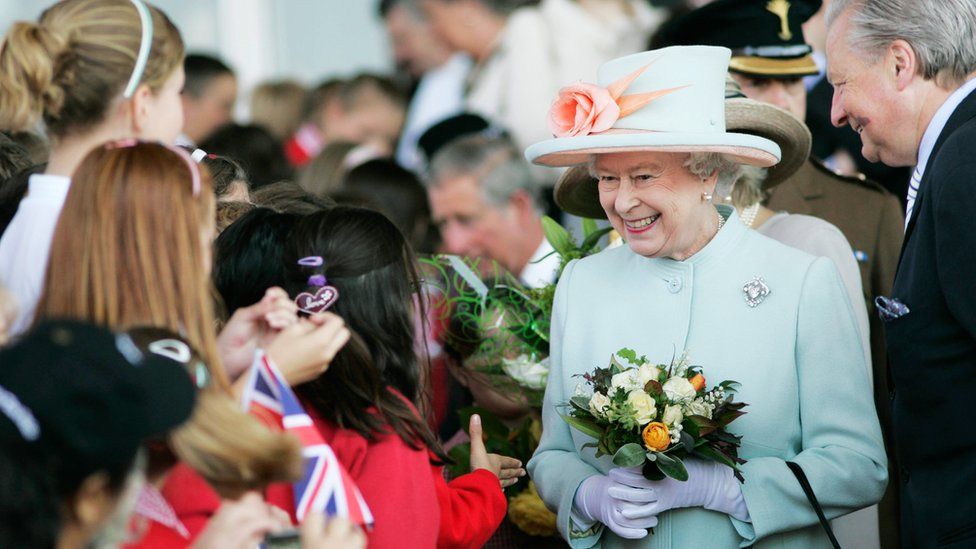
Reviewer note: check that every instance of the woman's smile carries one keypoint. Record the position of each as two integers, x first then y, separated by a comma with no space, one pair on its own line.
642,225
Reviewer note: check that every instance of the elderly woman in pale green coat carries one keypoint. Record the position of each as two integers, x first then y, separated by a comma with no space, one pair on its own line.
693,277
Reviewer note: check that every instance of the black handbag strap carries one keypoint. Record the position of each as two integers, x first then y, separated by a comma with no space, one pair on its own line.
805,484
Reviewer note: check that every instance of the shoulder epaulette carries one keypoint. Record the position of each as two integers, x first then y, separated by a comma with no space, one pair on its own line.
857,179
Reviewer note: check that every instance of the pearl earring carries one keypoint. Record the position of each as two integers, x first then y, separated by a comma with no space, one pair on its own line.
706,197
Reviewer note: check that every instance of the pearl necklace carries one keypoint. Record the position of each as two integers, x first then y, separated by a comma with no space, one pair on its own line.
748,215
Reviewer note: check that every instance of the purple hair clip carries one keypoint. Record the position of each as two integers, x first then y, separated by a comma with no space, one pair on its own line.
324,297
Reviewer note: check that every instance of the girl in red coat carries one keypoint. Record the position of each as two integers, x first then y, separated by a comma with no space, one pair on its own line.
366,404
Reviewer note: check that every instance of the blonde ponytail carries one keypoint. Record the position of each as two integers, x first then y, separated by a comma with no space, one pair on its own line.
70,66
233,451
28,58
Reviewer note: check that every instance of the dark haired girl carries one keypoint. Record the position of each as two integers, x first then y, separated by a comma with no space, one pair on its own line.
366,404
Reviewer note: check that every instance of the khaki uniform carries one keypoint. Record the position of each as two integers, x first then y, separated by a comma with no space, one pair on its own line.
872,220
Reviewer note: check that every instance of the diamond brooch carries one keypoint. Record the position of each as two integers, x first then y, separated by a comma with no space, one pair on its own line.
755,291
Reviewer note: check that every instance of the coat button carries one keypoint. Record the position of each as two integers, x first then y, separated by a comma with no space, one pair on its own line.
891,395
674,285
905,475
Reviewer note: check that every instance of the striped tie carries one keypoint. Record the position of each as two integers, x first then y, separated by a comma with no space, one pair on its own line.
912,193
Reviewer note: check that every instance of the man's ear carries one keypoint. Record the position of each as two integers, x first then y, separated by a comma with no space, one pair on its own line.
902,63
523,205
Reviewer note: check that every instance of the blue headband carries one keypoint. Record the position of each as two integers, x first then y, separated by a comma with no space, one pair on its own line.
144,45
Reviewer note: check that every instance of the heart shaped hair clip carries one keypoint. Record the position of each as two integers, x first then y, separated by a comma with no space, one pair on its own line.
323,297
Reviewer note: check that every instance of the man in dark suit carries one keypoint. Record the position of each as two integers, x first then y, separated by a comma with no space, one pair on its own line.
903,76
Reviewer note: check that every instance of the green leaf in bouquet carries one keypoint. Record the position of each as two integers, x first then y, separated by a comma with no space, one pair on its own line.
580,403
651,471
629,455
630,356
592,239
690,427
600,379
589,226
702,424
586,426
728,413
558,236
615,366
687,441
708,452
729,386
672,467
726,436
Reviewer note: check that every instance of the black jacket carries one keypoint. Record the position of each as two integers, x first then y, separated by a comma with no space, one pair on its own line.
932,349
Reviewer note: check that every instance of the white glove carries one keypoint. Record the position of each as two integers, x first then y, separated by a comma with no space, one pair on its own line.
709,485
626,511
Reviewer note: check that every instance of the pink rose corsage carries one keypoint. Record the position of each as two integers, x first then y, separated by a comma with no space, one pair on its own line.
582,108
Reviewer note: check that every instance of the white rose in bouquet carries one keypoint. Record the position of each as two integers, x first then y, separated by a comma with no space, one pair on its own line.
681,366
643,405
679,389
527,372
599,403
672,415
628,380
647,372
698,408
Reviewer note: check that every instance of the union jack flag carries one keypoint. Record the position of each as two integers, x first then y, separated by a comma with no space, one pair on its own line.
325,485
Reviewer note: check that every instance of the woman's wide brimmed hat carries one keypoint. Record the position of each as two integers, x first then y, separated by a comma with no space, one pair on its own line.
668,100
750,133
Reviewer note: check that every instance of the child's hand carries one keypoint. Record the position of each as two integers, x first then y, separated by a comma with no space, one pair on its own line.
508,470
252,327
303,351
241,524
336,534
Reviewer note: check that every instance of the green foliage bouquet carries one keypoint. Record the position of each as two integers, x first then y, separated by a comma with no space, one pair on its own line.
657,416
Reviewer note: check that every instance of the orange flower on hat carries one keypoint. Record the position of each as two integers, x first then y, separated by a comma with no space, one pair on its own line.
582,109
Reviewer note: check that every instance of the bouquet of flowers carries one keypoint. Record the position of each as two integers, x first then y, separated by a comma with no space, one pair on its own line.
656,416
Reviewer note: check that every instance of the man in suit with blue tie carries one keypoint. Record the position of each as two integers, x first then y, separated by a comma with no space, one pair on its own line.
903,75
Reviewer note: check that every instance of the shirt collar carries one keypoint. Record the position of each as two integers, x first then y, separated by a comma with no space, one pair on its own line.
938,122
48,187
541,269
